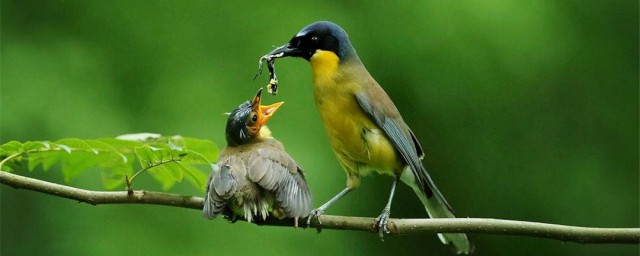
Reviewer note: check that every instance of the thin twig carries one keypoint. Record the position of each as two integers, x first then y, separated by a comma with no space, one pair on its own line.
129,181
583,235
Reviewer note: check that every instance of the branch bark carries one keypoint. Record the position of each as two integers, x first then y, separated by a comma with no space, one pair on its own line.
582,235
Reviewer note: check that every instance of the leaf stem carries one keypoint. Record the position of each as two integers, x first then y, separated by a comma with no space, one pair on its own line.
130,180
9,158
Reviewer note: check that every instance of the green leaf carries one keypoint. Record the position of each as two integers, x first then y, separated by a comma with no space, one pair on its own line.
176,147
196,177
72,144
205,148
175,169
176,150
77,163
122,146
112,156
110,181
167,171
115,177
10,148
35,160
64,147
52,158
162,175
170,159
150,156
146,156
36,146
8,168
193,157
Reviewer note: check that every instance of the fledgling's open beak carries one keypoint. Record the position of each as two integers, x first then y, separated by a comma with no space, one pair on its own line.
264,112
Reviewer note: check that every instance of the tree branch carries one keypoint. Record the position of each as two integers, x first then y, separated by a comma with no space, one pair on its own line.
396,226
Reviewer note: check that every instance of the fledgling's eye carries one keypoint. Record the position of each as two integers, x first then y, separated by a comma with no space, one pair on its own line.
314,38
254,117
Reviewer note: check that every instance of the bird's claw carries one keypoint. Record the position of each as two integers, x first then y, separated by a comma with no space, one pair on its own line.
381,223
315,213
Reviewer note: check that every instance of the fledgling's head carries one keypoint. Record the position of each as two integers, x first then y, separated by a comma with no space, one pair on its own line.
315,38
246,121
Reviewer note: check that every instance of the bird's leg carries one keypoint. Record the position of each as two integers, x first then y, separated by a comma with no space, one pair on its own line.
272,87
381,221
320,210
259,67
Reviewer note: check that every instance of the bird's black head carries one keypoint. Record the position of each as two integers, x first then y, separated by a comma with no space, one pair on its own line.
321,35
246,120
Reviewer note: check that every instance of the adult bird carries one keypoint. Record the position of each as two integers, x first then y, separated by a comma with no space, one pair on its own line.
256,176
365,128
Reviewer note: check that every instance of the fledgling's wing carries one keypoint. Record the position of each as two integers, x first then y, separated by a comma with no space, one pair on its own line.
274,170
221,186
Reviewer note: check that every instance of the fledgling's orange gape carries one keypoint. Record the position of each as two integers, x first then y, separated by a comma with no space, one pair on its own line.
257,177
365,128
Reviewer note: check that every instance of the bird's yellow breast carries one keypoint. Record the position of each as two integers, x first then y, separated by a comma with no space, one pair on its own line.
358,142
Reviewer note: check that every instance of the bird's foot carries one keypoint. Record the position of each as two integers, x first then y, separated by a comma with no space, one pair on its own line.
381,223
315,213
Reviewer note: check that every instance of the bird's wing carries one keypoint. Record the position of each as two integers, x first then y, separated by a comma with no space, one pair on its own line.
387,117
221,185
274,170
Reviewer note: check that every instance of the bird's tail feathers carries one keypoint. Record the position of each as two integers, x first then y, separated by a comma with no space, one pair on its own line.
437,207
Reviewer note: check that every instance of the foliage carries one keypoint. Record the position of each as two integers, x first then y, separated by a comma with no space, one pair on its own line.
168,159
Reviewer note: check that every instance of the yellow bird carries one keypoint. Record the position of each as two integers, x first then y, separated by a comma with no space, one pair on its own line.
256,177
365,129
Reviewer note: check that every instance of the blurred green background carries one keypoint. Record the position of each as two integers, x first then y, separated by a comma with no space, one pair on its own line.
528,110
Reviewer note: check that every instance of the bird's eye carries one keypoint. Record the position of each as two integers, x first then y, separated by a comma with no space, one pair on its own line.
295,42
254,117
314,38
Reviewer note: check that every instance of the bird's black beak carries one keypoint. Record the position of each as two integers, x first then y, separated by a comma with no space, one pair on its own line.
280,52
285,51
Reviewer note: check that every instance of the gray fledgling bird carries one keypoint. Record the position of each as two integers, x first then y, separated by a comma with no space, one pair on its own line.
257,177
